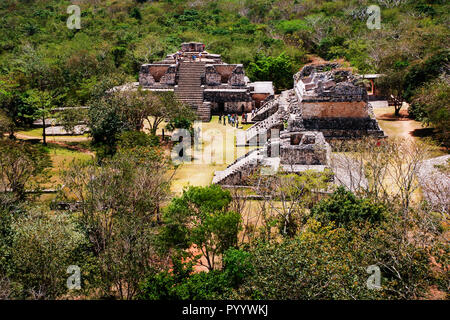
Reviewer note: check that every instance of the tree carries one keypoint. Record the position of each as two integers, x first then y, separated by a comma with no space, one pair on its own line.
6,124
320,263
326,262
119,213
44,246
169,109
120,111
20,163
434,99
393,83
72,117
182,283
287,198
344,208
201,217
12,107
43,103
278,69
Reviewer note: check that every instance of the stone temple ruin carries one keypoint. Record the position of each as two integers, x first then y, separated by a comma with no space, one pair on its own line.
206,83
327,102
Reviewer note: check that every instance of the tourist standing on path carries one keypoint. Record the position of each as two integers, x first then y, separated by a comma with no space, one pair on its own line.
229,118
220,117
237,122
224,123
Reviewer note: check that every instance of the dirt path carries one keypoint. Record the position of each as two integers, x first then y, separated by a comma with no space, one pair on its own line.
52,139
396,127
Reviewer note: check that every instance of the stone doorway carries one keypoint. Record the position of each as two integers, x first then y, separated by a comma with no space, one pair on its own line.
221,107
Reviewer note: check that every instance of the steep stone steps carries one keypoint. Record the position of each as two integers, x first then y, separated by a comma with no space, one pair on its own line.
239,165
189,89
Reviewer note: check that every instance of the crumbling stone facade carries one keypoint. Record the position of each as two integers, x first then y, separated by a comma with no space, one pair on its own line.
335,102
327,102
206,83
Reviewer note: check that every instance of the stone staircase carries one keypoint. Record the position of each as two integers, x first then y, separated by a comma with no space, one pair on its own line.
267,109
189,89
261,127
286,103
242,164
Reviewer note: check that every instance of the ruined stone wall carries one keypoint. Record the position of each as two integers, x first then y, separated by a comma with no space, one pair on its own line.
242,177
192,47
310,155
259,97
225,71
353,109
344,127
227,96
212,77
157,71
238,107
149,74
145,77
169,78
237,77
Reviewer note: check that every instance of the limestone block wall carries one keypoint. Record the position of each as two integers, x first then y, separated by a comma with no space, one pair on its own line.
299,148
149,74
212,77
237,77
169,77
225,71
239,106
351,109
311,155
145,77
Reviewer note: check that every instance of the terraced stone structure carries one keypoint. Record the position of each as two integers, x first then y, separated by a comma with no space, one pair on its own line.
327,102
293,151
334,101
203,81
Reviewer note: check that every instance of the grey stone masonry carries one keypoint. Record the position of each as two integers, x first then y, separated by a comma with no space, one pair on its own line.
198,77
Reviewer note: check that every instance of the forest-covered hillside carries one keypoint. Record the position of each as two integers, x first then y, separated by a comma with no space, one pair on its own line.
272,38
111,215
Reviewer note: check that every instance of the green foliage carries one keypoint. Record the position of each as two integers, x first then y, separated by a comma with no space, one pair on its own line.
72,117
426,71
277,69
120,212
201,217
179,123
133,139
291,26
431,105
344,208
20,163
6,124
43,247
330,263
184,284
238,265
356,52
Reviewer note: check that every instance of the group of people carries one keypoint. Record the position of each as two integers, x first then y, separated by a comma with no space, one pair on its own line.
232,119
193,57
